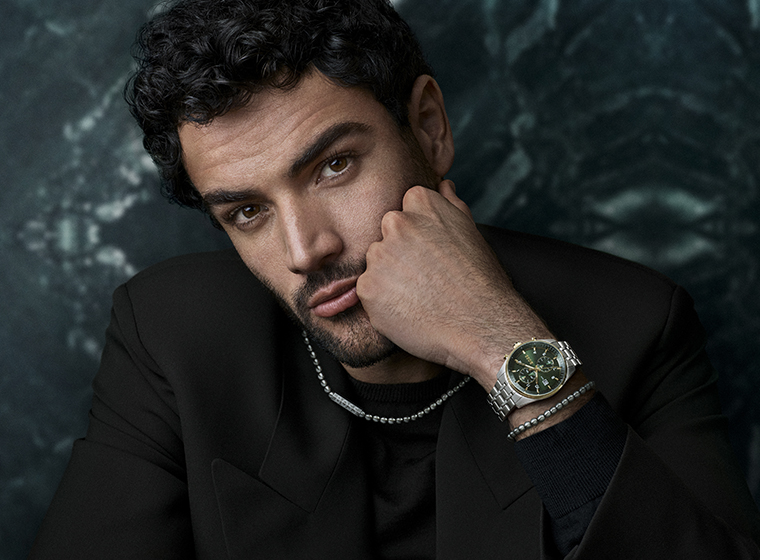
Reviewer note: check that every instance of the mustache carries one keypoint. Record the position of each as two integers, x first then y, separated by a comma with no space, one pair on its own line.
325,276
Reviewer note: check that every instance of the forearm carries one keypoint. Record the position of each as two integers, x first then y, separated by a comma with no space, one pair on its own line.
571,464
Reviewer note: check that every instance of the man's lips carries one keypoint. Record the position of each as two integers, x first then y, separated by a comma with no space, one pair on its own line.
335,298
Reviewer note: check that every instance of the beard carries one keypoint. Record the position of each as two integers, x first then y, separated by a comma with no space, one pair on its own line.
349,335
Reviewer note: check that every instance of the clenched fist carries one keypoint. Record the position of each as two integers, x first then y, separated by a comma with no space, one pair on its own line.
435,288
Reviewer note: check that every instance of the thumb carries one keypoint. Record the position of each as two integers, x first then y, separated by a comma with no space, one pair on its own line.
447,189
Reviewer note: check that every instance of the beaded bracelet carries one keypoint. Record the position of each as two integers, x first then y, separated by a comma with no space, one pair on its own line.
553,410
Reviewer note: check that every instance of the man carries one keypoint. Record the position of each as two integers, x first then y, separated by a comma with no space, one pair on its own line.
312,132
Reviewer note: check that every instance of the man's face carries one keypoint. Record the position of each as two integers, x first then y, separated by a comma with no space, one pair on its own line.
300,181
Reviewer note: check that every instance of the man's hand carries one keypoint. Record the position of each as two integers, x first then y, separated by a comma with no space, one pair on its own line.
435,288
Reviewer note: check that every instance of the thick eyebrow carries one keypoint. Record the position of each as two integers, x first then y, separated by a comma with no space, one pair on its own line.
219,197
324,141
306,157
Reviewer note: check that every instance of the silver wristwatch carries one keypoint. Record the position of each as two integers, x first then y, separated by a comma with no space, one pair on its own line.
533,371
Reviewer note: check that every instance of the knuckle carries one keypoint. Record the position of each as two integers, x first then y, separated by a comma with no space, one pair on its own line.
361,284
366,288
393,219
372,252
416,195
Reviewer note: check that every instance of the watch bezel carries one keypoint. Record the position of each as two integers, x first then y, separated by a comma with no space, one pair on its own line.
560,358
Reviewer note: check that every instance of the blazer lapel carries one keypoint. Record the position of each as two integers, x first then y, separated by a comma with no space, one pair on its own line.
310,434
486,504
309,498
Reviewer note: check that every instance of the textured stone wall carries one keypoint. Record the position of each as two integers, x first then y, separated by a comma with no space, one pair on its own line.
628,126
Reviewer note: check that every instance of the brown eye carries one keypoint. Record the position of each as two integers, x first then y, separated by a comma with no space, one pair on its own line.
338,164
335,166
250,211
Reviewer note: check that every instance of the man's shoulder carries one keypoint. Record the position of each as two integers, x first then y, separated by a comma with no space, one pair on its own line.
200,282
532,258
205,270
179,267
583,294
181,308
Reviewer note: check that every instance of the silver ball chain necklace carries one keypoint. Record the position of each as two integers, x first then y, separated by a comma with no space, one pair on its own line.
357,411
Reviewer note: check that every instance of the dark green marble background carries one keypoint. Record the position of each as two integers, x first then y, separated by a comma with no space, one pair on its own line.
628,126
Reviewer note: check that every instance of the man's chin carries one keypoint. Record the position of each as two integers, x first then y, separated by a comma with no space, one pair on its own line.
350,338
349,335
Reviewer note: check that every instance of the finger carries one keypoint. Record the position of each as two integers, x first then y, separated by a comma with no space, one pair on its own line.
447,189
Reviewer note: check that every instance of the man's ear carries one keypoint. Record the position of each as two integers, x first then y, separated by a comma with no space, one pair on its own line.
430,124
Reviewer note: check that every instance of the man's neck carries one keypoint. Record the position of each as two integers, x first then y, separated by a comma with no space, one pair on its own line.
398,368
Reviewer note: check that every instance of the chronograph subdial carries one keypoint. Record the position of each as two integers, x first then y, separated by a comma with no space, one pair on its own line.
547,365
526,376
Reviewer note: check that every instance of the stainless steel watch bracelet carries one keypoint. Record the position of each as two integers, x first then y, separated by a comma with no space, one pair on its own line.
501,396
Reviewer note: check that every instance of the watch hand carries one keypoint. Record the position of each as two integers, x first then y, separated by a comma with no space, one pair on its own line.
534,368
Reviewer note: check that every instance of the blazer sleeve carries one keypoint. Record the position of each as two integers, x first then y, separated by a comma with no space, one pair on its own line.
678,491
125,486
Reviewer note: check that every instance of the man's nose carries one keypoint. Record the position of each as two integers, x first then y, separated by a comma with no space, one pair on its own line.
310,238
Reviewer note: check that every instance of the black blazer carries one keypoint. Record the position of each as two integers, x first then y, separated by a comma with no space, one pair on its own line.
210,436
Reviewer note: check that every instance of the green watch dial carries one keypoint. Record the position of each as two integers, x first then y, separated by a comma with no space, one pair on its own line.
536,369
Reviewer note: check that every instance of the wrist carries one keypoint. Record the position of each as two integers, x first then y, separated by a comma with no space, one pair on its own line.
479,345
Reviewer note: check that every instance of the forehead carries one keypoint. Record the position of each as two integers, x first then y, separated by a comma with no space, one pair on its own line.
272,128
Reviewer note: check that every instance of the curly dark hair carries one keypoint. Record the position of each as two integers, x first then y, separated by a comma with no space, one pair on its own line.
202,58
